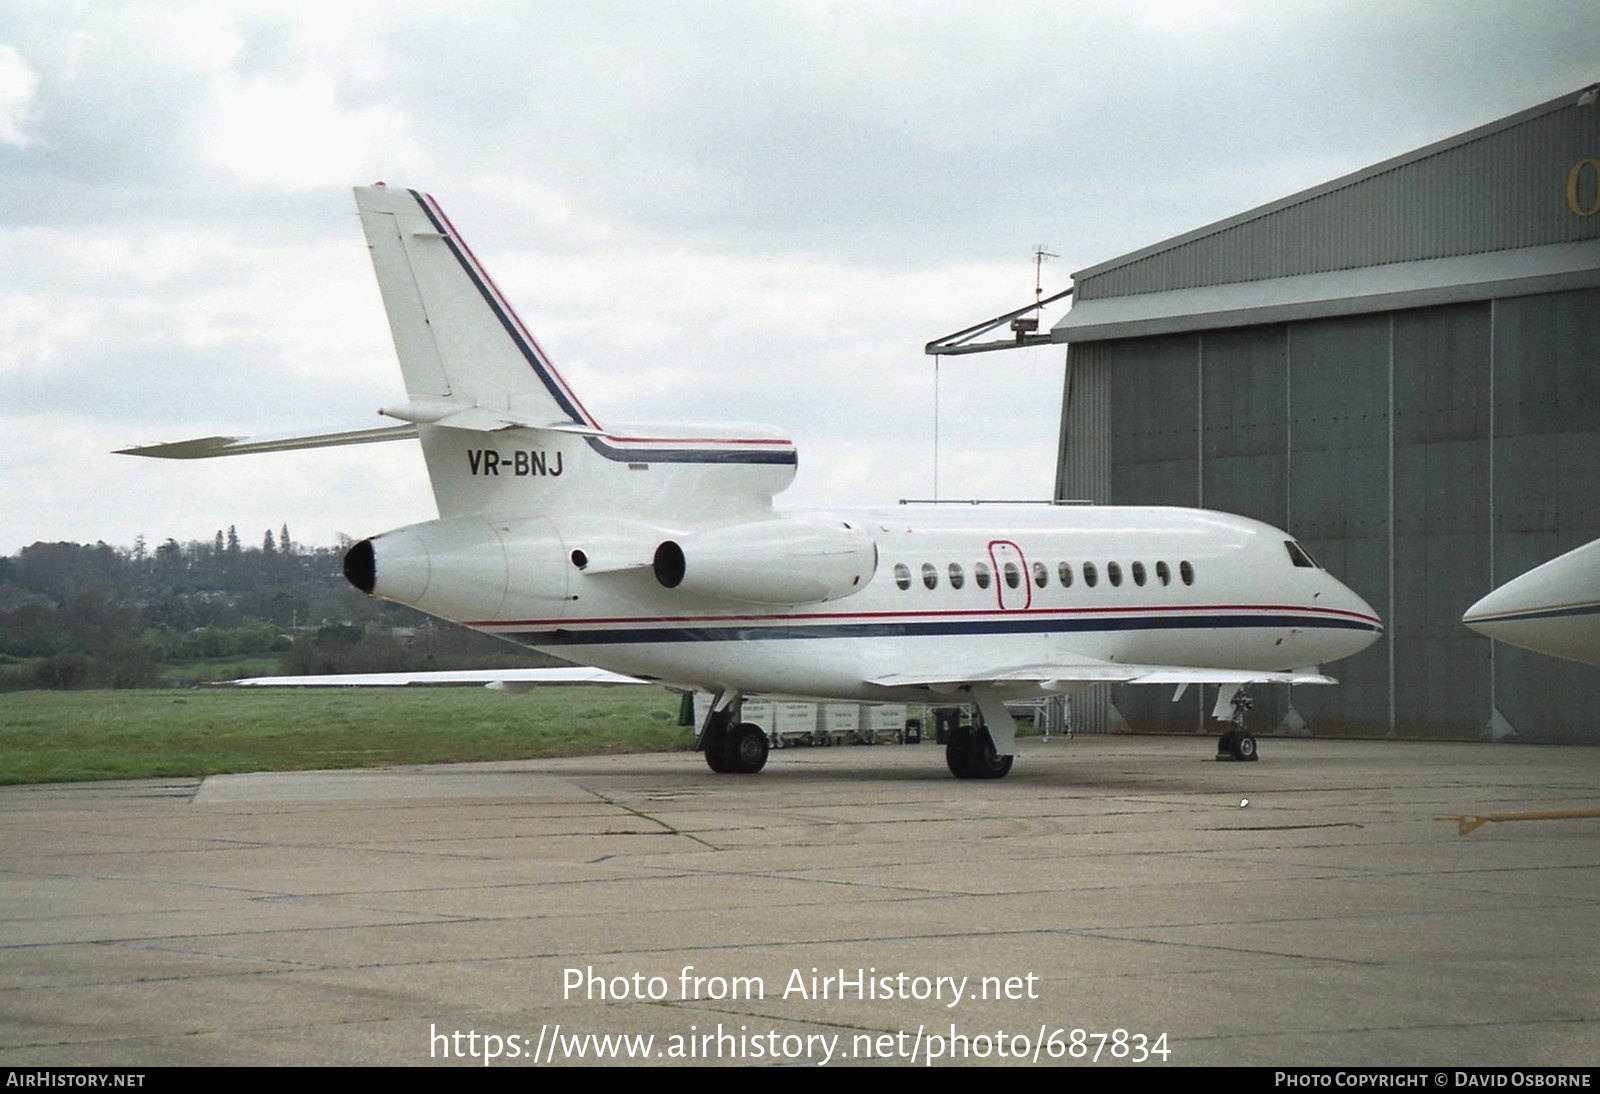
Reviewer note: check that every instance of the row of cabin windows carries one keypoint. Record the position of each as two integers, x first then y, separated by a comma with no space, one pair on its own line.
1011,574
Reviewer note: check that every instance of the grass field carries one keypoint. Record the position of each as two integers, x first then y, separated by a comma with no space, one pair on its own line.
79,735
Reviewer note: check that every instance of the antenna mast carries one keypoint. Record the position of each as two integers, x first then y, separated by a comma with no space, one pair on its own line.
1039,255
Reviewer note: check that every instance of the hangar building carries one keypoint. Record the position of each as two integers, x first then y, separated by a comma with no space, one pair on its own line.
1402,368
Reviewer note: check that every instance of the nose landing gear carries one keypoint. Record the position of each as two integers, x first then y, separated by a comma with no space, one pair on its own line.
1236,744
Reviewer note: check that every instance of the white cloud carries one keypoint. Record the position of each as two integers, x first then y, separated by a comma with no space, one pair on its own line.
19,84
296,134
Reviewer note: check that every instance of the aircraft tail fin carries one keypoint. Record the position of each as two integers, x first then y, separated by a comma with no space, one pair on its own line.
501,431
467,360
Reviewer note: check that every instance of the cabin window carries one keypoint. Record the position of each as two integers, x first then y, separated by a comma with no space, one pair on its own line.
1186,572
1041,574
1114,573
1300,556
1013,576
957,577
1064,574
1091,576
930,575
902,575
1138,573
1163,573
980,574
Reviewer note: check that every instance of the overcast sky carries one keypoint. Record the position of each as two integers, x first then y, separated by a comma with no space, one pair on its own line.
754,211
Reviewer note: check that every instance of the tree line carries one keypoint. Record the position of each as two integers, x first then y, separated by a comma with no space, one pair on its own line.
76,615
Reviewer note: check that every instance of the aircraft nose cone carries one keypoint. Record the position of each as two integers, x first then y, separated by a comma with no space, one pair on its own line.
1553,609
1363,625
1351,601
1483,616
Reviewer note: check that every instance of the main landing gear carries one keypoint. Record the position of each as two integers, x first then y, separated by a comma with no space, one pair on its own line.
732,747
971,755
1237,743
970,752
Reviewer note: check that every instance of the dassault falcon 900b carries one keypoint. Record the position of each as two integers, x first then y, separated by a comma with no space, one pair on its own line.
656,553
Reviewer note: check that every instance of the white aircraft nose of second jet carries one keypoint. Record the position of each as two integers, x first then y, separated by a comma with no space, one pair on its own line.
1554,608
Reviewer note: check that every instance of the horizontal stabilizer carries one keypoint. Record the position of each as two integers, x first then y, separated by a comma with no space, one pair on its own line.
201,448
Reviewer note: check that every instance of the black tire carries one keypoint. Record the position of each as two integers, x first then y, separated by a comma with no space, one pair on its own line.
715,745
986,762
1243,747
971,755
745,749
1225,744
955,752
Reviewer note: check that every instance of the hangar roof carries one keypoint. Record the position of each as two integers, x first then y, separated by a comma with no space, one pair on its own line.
1505,209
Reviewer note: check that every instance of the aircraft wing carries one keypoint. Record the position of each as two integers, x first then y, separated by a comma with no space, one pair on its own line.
496,679
1065,676
1071,676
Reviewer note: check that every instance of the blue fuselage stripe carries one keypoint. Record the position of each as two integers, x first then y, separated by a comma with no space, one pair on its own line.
766,631
1538,613
775,455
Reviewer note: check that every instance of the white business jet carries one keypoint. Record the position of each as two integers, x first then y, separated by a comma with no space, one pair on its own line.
1553,608
654,552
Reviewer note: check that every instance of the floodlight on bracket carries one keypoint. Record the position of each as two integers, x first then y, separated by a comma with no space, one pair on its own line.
1024,329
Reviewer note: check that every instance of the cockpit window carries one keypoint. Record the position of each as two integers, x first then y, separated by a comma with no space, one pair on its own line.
1300,556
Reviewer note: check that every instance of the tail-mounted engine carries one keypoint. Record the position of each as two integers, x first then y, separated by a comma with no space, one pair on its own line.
465,568
770,562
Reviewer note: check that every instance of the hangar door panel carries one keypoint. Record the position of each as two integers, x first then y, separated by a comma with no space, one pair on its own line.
1441,507
1245,402
1338,493
1155,421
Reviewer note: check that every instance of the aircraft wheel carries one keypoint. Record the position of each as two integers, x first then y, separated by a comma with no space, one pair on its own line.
745,749
971,755
1225,744
955,752
1243,747
715,744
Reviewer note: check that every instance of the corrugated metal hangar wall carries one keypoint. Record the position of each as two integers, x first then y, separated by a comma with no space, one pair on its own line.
1402,368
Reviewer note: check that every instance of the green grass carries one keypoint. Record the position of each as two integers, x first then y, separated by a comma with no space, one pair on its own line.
81,735
192,673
